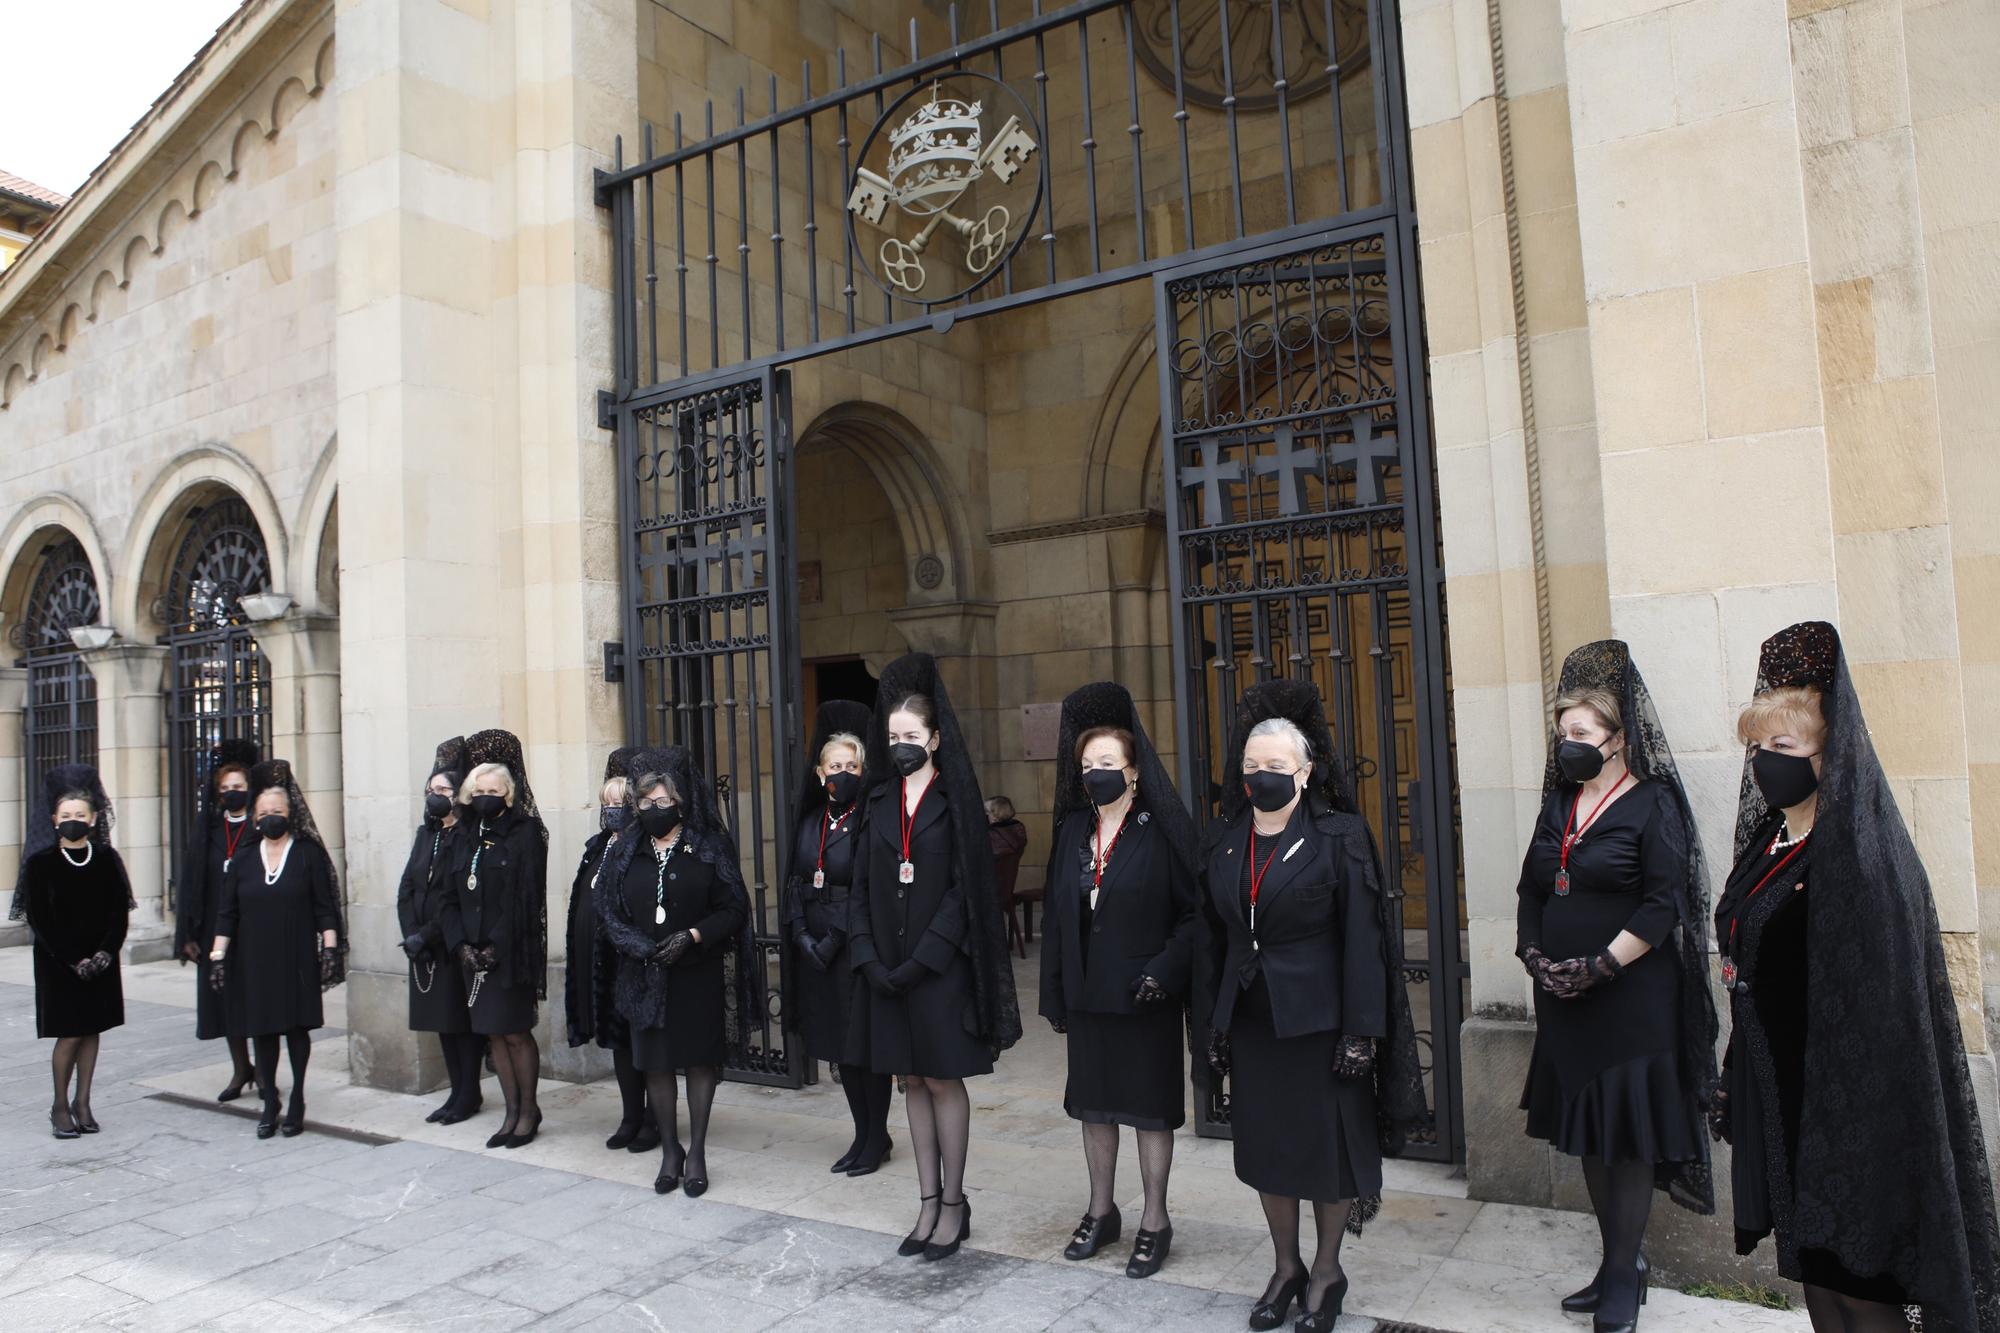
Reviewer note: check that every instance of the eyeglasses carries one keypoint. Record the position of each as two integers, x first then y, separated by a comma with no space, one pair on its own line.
657,805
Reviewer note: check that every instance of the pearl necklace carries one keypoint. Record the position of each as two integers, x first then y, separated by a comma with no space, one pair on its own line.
1781,843
270,875
88,849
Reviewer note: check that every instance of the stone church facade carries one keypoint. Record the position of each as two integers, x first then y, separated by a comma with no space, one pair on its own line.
316,422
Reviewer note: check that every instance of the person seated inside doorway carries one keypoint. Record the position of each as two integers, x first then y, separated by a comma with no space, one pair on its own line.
1007,838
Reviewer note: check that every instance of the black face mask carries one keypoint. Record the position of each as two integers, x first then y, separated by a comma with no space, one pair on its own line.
1104,785
73,830
614,817
235,802
659,820
1785,779
274,827
1579,761
842,788
908,758
489,807
1270,792
436,806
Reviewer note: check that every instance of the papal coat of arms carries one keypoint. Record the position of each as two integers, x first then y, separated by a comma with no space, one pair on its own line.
938,157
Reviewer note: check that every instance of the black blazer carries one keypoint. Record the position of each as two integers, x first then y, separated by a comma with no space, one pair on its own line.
420,894
890,922
504,911
1145,923
1318,942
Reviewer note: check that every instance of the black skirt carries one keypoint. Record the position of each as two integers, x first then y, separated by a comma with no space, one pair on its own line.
1299,1131
437,996
1125,1069
501,1010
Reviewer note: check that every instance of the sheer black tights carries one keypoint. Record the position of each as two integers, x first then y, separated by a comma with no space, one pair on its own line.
1834,1313
518,1062
940,1130
662,1094
74,1057
1281,1216
1156,1160
1621,1194
298,1046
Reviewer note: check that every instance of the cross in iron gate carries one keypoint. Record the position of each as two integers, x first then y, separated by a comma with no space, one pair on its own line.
1212,475
1288,462
1368,455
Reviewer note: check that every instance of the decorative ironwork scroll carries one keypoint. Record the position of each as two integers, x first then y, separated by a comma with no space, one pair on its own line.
60,720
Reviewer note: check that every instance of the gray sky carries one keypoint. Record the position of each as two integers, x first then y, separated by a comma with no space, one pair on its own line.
80,72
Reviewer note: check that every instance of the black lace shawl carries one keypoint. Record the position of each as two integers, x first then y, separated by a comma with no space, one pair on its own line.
495,746
1401,1106
276,774
584,952
641,988
996,1017
1891,1175
1607,665
450,759
41,833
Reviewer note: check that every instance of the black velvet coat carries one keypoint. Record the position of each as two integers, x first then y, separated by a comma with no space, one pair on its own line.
73,912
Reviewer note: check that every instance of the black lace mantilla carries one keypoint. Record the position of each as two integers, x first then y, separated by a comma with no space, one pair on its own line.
41,832
1891,1175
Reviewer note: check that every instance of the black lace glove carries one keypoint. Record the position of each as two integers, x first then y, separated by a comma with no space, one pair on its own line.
673,947
485,959
414,946
1148,992
1538,964
1354,1058
85,968
1718,1116
877,977
1059,1025
217,971
808,945
468,957
907,975
329,964
1573,976
1218,1053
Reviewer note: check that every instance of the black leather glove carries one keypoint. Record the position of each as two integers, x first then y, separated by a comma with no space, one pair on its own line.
906,975
1218,1053
673,947
1148,992
217,970
808,945
1718,1116
413,946
1574,976
877,977
1059,1025
827,948
1355,1058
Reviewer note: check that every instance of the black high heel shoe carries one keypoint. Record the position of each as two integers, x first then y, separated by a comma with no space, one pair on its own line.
1149,1251
1599,1324
1093,1234
1270,1312
498,1138
1322,1320
1584,1299
267,1124
523,1140
913,1244
846,1159
867,1165
87,1123
648,1139
71,1133
669,1178
235,1088
622,1136
934,1251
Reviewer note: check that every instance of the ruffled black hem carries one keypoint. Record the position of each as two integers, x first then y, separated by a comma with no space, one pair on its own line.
1638,1111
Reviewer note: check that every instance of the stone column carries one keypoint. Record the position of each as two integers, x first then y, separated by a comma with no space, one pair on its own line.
131,731
13,795
303,649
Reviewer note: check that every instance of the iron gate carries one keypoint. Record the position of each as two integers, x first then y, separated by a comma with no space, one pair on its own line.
218,684
711,659
60,722
1303,543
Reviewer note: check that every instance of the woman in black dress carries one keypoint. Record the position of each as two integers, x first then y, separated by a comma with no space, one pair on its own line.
1121,916
1845,1092
1611,925
77,901
822,874
1311,1023
934,984
221,831
278,939
496,922
589,1006
674,907
437,990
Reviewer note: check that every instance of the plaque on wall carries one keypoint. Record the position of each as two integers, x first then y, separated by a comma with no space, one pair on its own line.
1041,726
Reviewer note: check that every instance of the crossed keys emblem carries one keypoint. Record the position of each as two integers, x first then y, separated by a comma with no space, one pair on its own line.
935,156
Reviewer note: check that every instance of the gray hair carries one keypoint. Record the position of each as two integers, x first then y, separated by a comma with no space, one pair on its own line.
505,774
642,787
1282,726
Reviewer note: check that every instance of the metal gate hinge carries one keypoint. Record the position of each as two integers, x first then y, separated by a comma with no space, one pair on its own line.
614,663
607,414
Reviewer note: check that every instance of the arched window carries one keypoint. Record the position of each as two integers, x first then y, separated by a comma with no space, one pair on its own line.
61,717
218,684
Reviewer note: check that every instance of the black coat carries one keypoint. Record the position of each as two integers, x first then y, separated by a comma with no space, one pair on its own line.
420,895
592,966
688,998
1145,922
821,995
74,912
506,913
199,900
1318,940
272,983
930,1029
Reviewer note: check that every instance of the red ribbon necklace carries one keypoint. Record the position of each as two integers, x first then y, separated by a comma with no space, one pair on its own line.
1104,854
1729,949
1257,878
231,841
907,816
1571,839
827,821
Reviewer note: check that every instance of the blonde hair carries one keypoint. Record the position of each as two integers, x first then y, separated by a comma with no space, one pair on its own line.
1601,702
604,796
1787,710
484,770
851,741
